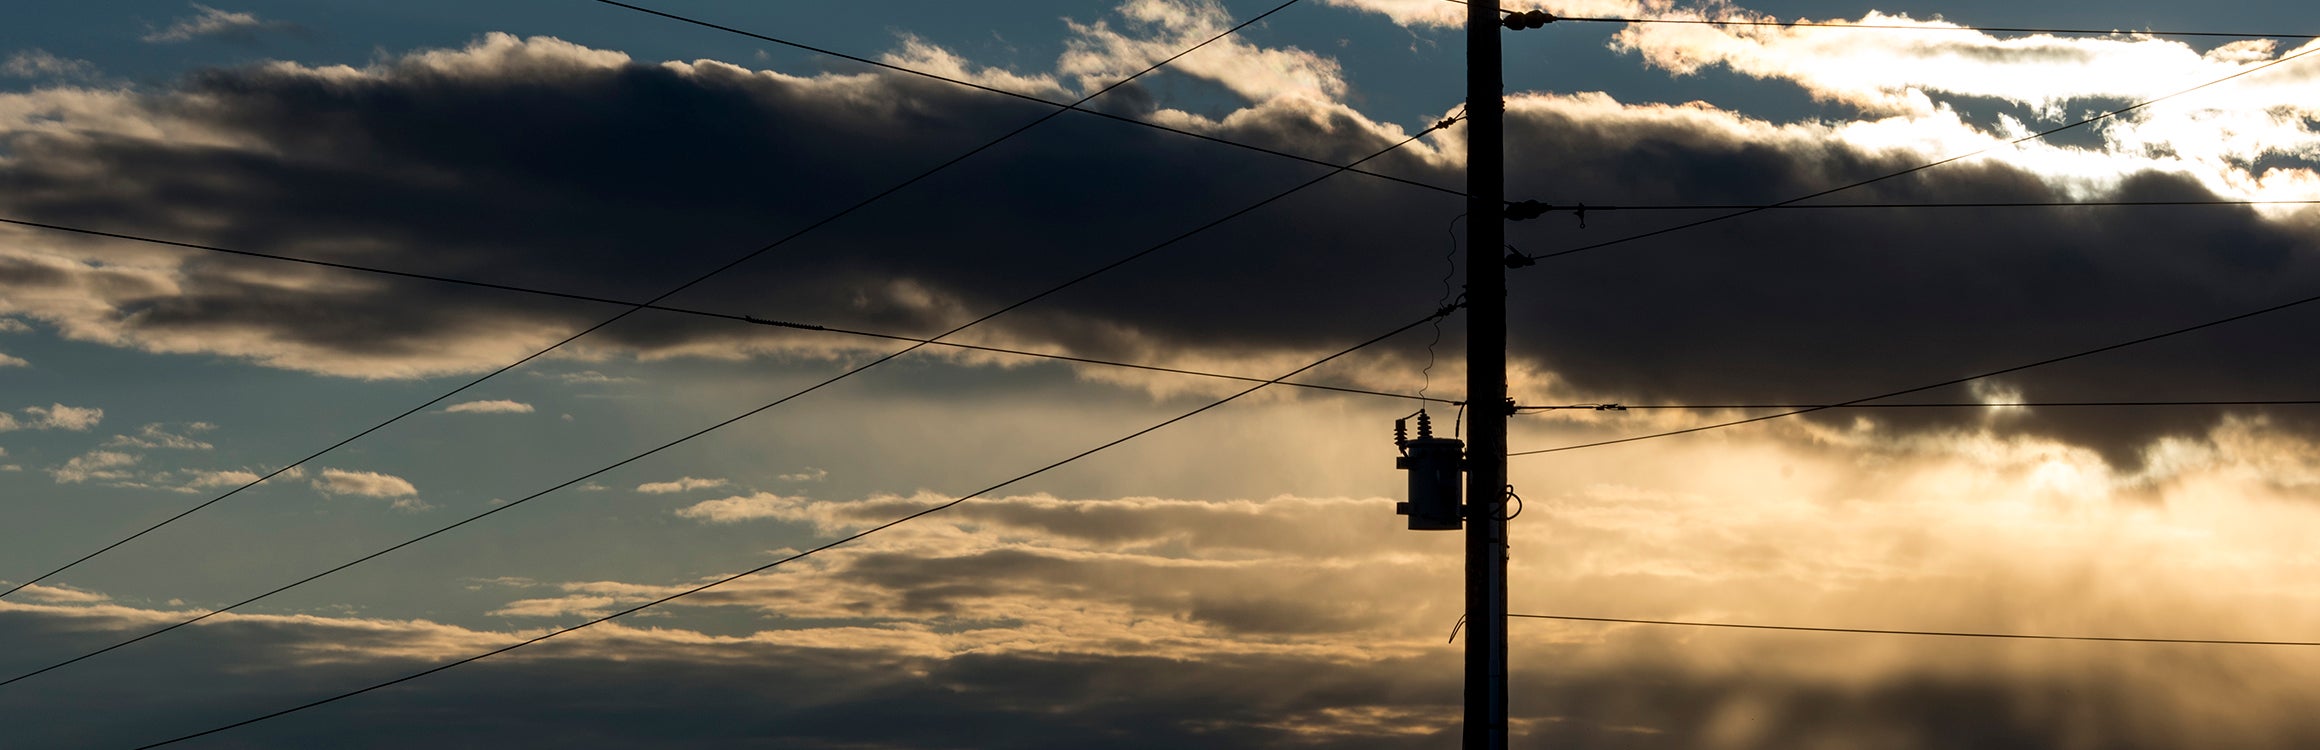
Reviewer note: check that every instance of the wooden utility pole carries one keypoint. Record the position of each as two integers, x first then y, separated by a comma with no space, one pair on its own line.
1485,381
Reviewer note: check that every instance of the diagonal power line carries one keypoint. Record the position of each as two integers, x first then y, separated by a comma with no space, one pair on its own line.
1942,384
1905,27
1929,165
930,510
1072,107
1982,29
1942,633
729,265
1923,405
731,317
1074,281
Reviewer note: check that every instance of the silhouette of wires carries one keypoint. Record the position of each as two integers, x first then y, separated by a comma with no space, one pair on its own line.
1075,107
732,317
1940,633
1906,27
1929,165
1609,406
1942,384
930,510
1074,281
697,280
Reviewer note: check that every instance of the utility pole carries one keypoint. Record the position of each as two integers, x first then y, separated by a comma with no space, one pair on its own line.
1485,380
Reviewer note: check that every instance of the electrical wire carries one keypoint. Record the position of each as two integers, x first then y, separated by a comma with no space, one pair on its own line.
1022,96
1905,27
930,510
1942,205
1930,165
1942,633
1923,405
1449,270
1074,281
753,320
1942,384
745,258
733,317
1901,27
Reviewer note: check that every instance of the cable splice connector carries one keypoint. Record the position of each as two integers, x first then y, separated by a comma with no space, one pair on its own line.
1446,310
1527,210
1529,19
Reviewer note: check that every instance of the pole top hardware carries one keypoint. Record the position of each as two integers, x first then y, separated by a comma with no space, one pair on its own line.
1529,19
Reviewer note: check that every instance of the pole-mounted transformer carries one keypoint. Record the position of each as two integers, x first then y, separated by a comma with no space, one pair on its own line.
1437,470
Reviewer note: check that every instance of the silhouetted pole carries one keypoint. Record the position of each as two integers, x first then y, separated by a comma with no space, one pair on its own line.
1485,381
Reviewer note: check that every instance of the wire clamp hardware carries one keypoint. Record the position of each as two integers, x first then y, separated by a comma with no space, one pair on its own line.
1529,19
1527,210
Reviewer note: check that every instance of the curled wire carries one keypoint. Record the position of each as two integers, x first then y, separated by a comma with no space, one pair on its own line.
1450,270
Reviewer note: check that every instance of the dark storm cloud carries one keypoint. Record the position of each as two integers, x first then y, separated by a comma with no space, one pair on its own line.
540,163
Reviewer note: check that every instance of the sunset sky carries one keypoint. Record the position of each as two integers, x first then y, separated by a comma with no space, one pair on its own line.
1237,579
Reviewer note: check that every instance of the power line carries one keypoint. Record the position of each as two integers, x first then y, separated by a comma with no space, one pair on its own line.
1904,27
1942,384
930,510
1922,405
734,317
752,255
1535,208
745,415
1929,165
1942,633
1022,96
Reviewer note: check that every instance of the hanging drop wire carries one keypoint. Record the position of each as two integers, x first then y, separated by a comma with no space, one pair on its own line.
1449,271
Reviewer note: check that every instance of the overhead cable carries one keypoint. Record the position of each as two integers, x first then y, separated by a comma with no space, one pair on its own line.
1906,27
1531,209
745,258
1946,27
1613,406
1929,165
1942,384
930,510
1942,633
1022,96
733,317
1074,281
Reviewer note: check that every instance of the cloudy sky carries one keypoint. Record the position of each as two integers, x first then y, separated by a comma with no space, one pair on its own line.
1237,579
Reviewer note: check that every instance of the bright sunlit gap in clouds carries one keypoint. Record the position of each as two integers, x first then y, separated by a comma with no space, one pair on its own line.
1236,580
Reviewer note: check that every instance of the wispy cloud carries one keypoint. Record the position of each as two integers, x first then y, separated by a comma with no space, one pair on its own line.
371,484
212,22
99,466
224,478
38,63
752,507
62,594
53,417
498,406
686,484
591,377
809,475
158,436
